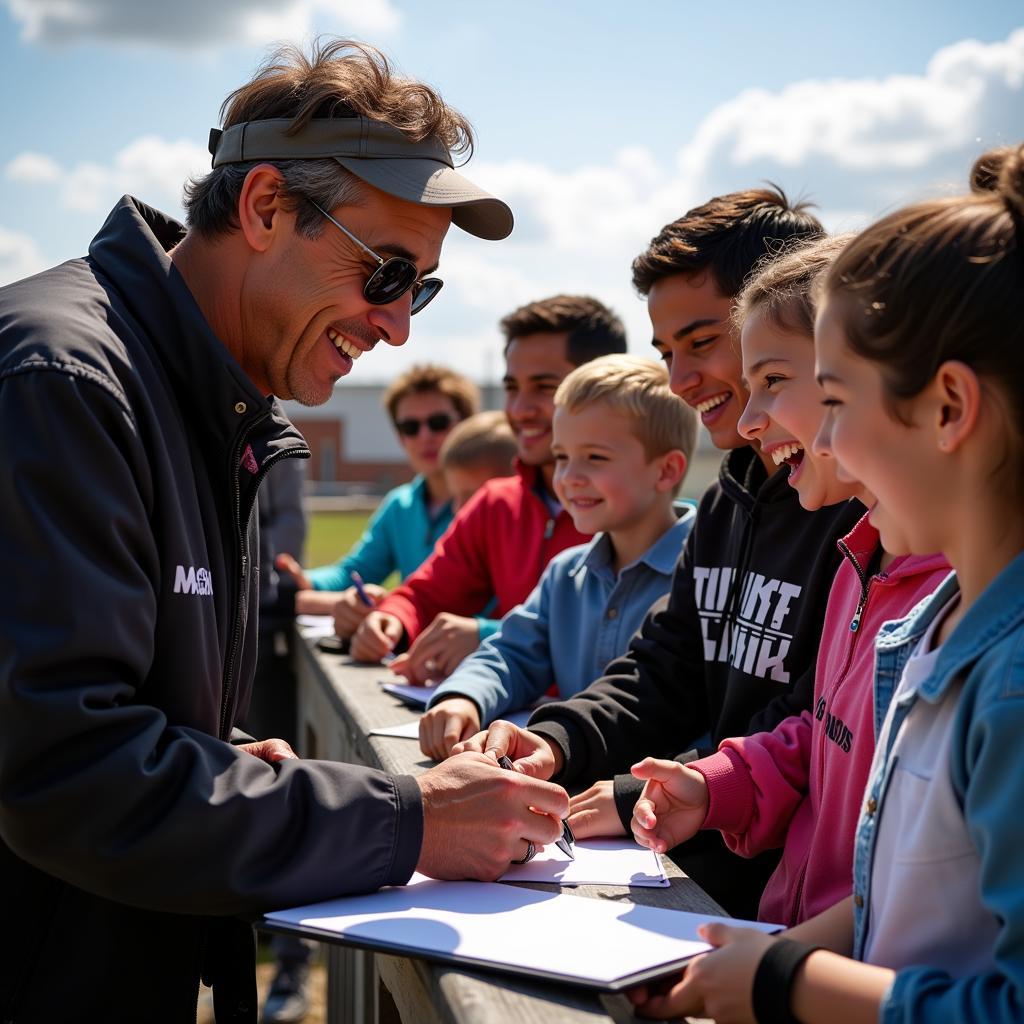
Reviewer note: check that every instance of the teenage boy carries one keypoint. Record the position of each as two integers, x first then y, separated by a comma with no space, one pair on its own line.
622,442
733,651
424,404
500,542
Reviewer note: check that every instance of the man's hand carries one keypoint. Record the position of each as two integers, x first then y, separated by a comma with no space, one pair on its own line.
271,751
438,649
672,806
349,609
529,753
454,719
376,636
593,812
477,818
718,984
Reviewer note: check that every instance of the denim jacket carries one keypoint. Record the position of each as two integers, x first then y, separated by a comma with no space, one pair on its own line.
985,655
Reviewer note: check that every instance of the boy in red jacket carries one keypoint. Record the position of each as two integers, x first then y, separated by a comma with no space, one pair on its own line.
492,555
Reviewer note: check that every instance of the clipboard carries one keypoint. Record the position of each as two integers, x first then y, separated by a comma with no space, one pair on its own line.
602,945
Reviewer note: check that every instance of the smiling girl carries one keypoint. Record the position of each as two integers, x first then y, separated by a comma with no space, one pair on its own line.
920,344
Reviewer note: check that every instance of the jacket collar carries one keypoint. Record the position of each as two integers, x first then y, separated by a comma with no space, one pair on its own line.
863,540
661,556
996,613
132,250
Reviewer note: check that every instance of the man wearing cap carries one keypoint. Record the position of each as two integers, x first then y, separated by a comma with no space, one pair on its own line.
137,824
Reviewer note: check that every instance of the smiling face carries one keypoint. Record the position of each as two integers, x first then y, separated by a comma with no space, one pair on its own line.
602,474
423,448
895,461
535,364
690,318
784,411
304,318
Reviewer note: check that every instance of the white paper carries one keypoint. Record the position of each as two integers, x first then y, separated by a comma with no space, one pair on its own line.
313,626
617,861
411,730
599,941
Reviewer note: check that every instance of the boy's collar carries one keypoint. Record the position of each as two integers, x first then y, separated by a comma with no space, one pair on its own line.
661,556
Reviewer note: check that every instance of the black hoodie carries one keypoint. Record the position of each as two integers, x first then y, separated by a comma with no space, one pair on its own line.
732,653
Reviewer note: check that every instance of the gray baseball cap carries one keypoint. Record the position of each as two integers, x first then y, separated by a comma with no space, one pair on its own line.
379,154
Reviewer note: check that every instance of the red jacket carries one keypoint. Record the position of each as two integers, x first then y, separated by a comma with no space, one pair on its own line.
801,786
496,547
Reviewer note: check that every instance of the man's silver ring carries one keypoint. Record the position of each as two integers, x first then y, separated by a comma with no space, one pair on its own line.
531,852
430,664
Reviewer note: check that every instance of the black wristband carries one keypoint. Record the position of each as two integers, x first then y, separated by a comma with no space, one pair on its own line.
773,981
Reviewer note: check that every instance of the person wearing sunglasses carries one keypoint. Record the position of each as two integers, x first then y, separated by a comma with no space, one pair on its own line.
424,404
141,831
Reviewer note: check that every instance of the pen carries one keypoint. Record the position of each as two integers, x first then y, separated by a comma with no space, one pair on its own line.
357,582
567,838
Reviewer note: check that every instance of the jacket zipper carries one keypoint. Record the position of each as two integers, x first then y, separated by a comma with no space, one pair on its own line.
227,687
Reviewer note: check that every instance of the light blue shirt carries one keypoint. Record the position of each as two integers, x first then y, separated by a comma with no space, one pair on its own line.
577,619
399,536
983,659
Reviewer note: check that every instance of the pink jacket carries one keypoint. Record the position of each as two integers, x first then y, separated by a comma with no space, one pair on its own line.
801,785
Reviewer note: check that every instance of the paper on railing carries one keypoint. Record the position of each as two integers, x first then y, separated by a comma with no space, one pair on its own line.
618,861
411,730
417,696
313,626
606,944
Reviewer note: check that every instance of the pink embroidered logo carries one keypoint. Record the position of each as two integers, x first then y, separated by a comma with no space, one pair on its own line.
249,460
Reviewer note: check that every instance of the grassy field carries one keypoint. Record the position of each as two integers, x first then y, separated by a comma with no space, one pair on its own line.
331,534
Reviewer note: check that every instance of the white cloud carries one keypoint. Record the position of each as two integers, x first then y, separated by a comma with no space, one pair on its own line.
196,23
150,167
32,169
19,257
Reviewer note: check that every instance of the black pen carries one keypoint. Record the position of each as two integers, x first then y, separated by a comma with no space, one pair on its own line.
564,843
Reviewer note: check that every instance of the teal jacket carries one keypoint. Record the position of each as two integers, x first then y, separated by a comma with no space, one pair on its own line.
985,656
399,537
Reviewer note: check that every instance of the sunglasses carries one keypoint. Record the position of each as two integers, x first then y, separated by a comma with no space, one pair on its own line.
393,277
438,423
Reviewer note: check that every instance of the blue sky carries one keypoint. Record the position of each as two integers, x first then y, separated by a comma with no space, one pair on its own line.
598,121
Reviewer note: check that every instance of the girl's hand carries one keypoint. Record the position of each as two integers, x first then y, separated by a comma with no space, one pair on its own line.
718,984
672,807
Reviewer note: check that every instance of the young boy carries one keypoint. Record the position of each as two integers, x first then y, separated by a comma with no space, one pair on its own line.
622,442
733,651
500,542
477,450
424,404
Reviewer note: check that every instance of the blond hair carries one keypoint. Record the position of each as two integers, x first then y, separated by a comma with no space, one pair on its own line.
637,388
427,377
485,439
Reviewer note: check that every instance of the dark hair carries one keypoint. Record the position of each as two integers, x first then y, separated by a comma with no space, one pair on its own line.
592,328
338,78
725,236
427,378
942,280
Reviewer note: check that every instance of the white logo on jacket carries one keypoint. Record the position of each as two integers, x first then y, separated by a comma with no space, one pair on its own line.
193,581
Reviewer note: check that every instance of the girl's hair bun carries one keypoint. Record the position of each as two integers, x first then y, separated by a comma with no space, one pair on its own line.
1002,171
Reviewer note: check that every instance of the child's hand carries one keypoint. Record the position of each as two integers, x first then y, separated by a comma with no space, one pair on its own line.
443,726
376,636
672,807
718,984
437,651
349,609
593,812
529,753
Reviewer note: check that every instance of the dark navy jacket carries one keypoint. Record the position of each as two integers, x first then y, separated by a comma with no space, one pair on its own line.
132,829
